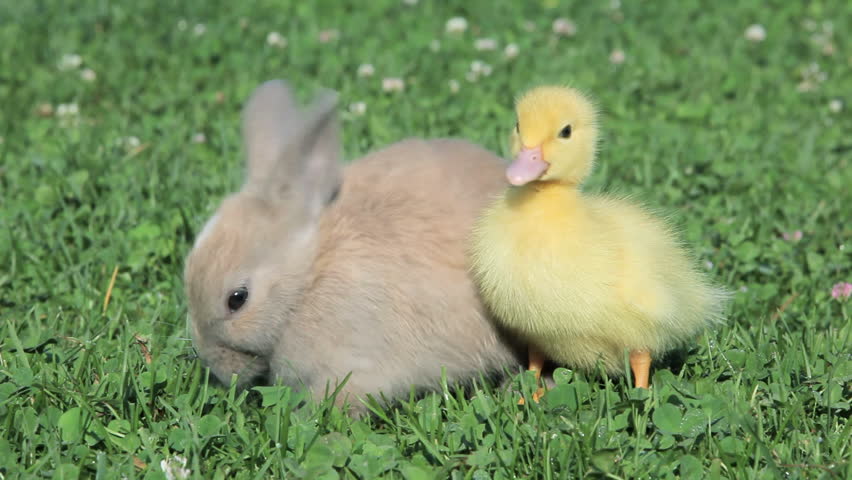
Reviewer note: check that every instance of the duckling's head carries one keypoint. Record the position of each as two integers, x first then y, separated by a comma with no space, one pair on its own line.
555,137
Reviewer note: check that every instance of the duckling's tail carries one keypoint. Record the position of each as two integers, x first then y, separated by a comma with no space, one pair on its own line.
716,302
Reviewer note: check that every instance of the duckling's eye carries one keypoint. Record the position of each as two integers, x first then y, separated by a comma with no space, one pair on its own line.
237,298
565,132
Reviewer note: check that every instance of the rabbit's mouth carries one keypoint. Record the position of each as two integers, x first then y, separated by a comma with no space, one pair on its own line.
254,372
250,368
254,378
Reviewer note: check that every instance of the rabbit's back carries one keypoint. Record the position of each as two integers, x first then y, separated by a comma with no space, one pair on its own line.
390,298
418,194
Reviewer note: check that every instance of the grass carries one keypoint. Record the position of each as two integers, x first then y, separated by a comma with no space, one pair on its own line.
698,121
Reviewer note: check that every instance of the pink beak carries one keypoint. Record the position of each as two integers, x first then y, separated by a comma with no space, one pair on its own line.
528,166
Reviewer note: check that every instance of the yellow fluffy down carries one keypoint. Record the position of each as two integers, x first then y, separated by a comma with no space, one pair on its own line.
583,277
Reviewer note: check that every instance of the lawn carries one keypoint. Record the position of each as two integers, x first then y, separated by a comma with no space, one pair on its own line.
119,135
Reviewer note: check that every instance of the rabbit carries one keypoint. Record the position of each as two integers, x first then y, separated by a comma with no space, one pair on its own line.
313,270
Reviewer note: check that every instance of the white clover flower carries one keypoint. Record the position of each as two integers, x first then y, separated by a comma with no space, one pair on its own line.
358,108
199,138
410,2
70,61
88,75
835,105
792,236
275,39
393,84
755,33
128,143
366,70
456,25
329,35
479,67
564,27
182,25
454,86
485,44
511,51
175,468
806,86
44,110
68,114
824,37
617,56
811,76
199,29
67,110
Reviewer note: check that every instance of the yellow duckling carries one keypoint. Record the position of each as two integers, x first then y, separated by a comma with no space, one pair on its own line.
582,277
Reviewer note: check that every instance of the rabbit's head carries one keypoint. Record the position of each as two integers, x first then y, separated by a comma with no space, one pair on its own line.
251,261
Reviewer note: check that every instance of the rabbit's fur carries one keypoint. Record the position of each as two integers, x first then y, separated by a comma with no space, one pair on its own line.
362,270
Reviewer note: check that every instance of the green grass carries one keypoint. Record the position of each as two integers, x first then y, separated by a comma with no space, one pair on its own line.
697,121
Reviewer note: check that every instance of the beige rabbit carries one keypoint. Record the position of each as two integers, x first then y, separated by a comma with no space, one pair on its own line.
311,272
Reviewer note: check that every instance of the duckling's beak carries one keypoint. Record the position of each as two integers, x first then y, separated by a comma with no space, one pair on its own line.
528,166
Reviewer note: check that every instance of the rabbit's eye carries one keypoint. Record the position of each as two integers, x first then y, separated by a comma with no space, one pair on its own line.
237,298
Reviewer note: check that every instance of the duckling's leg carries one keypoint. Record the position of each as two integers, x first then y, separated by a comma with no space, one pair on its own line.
536,364
640,363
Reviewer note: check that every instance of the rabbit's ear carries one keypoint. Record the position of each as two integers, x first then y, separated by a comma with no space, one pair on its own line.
268,119
293,154
317,150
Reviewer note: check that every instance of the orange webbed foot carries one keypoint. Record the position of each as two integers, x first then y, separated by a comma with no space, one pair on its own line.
640,363
536,364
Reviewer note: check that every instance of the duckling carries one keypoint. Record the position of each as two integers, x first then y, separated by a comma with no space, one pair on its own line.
582,277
